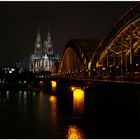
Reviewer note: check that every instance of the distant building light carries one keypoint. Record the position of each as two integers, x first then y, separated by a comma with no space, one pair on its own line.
41,82
19,82
103,68
10,71
117,67
137,65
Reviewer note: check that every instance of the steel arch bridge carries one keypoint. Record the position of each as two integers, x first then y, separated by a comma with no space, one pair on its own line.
118,53
76,56
119,50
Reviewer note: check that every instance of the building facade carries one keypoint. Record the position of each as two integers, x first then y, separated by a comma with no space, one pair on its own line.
43,58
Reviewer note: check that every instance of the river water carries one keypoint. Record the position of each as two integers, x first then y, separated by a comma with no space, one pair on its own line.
90,113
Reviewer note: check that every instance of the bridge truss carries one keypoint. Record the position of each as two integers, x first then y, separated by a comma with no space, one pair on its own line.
119,51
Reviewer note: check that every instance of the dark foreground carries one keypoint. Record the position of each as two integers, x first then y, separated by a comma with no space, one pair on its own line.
105,113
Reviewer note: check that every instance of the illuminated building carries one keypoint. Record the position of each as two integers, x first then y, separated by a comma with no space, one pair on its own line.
43,58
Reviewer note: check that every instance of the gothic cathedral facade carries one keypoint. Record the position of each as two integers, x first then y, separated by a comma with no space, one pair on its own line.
43,58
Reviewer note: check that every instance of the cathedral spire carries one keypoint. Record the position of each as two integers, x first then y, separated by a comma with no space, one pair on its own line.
38,37
38,44
49,45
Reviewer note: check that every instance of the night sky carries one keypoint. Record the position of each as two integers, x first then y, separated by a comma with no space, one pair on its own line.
67,20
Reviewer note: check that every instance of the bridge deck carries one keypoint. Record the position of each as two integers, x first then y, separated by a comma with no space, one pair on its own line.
106,79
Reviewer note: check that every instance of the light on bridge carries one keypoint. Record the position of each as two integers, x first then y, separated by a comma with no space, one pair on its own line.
78,94
53,85
41,82
72,88
78,100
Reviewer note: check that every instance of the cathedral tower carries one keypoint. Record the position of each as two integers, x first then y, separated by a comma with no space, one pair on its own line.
49,44
38,43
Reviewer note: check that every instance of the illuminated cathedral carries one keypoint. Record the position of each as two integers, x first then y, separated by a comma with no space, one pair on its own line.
43,58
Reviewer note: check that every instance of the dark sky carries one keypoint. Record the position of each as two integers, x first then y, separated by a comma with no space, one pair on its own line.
19,20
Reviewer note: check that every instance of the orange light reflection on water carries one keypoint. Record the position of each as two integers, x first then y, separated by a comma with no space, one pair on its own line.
53,99
74,133
53,113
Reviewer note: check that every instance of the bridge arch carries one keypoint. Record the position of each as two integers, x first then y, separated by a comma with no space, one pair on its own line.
76,56
120,47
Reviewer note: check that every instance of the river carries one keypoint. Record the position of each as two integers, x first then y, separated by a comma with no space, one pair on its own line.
85,113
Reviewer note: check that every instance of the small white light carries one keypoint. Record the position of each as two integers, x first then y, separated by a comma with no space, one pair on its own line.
10,71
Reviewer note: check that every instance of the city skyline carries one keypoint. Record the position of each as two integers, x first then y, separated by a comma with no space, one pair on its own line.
67,20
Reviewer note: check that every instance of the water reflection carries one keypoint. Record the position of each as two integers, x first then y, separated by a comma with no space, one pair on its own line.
25,93
22,102
25,102
78,101
74,132
34,94
53,104
40,104
35,113
8,94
